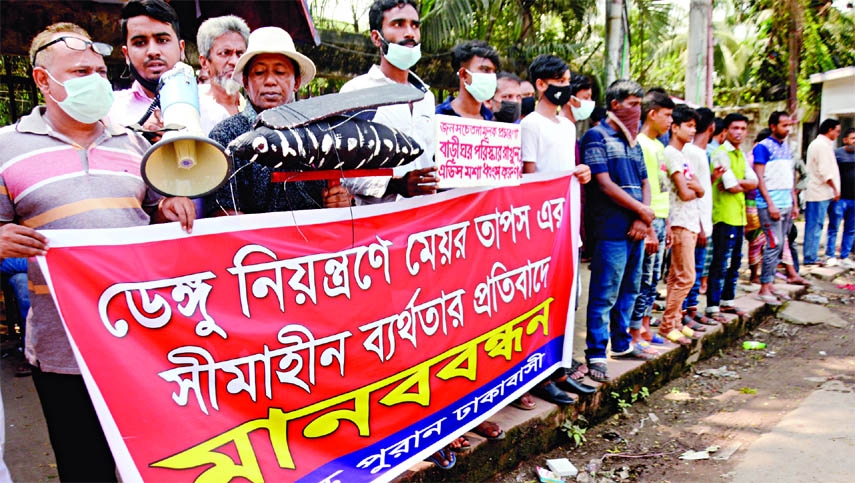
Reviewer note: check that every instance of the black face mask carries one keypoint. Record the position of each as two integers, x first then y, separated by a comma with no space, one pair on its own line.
527,106
147,84
509,112
558,95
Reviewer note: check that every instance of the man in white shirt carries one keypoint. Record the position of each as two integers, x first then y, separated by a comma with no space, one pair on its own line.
395,31
823,185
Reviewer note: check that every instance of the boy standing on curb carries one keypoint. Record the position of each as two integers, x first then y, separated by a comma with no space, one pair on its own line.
656,119
728,218
544,148
685,218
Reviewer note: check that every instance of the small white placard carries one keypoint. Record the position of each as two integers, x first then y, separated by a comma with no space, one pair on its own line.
472,152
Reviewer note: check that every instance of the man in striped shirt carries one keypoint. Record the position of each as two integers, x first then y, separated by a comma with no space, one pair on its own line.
64,166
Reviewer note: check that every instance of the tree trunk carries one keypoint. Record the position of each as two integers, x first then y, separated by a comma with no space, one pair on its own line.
614,40
696,65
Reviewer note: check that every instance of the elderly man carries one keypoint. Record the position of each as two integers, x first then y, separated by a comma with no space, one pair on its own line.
271,71
395,30
151,47
221,42
47,183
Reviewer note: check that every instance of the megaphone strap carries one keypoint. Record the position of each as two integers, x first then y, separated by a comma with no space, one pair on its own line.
151,108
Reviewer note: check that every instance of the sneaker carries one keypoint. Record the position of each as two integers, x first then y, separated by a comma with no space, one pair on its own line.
831,262
846,263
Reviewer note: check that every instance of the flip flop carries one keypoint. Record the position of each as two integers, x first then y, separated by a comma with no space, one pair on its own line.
465,445
484,432
520,403
781,296
437,458
677,337
645,347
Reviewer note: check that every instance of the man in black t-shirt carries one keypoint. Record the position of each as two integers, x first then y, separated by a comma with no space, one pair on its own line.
844,208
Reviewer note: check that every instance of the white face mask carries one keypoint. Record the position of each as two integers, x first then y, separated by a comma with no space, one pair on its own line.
401,57
483,86
88,99
584,111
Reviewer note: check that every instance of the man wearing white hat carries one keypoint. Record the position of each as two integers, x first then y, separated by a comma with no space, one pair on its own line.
271,71
395,30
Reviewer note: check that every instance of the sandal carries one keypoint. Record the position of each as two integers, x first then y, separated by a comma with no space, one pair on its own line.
525,402
783,297
677,337
577,370
719,317
463,445
731,309
632,354
443,455
799,281
489,430
703,319
598,371
690,323
769,299
688,332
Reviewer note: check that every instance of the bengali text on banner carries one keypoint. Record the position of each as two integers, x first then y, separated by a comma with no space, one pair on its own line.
325,345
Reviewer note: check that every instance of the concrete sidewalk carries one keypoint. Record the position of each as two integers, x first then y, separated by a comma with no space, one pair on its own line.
816,442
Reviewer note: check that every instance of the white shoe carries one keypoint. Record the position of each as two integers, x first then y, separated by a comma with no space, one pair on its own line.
831,262
847,263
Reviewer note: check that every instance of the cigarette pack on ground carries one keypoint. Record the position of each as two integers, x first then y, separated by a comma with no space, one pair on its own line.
547,476
562,467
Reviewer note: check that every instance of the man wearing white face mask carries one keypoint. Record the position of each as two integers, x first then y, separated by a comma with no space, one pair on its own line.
475,64
66,166
395,30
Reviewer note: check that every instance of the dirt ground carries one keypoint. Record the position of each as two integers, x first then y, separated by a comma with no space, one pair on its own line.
696,411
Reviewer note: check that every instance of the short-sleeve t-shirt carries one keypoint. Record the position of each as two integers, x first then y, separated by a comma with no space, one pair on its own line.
686,214
654,160
544,142
778,174
604,151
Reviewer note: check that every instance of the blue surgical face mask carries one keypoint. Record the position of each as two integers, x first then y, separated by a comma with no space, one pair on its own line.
483,86
88,99
584,110
401,57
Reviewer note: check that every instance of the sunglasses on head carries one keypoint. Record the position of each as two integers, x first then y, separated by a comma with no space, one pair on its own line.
76,43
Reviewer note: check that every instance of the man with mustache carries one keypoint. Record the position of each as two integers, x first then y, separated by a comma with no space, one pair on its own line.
395,30
221,41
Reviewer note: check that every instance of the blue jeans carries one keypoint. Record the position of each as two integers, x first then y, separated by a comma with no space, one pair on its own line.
700,258
16,268
615,277
841,210
651,271
724,268
814,219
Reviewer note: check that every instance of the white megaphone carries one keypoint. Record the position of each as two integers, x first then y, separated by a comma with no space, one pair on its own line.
184,162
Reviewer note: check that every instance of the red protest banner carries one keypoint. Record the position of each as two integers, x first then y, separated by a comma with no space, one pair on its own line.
318,346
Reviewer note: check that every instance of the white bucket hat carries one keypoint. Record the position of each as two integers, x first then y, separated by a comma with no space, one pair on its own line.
274,40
